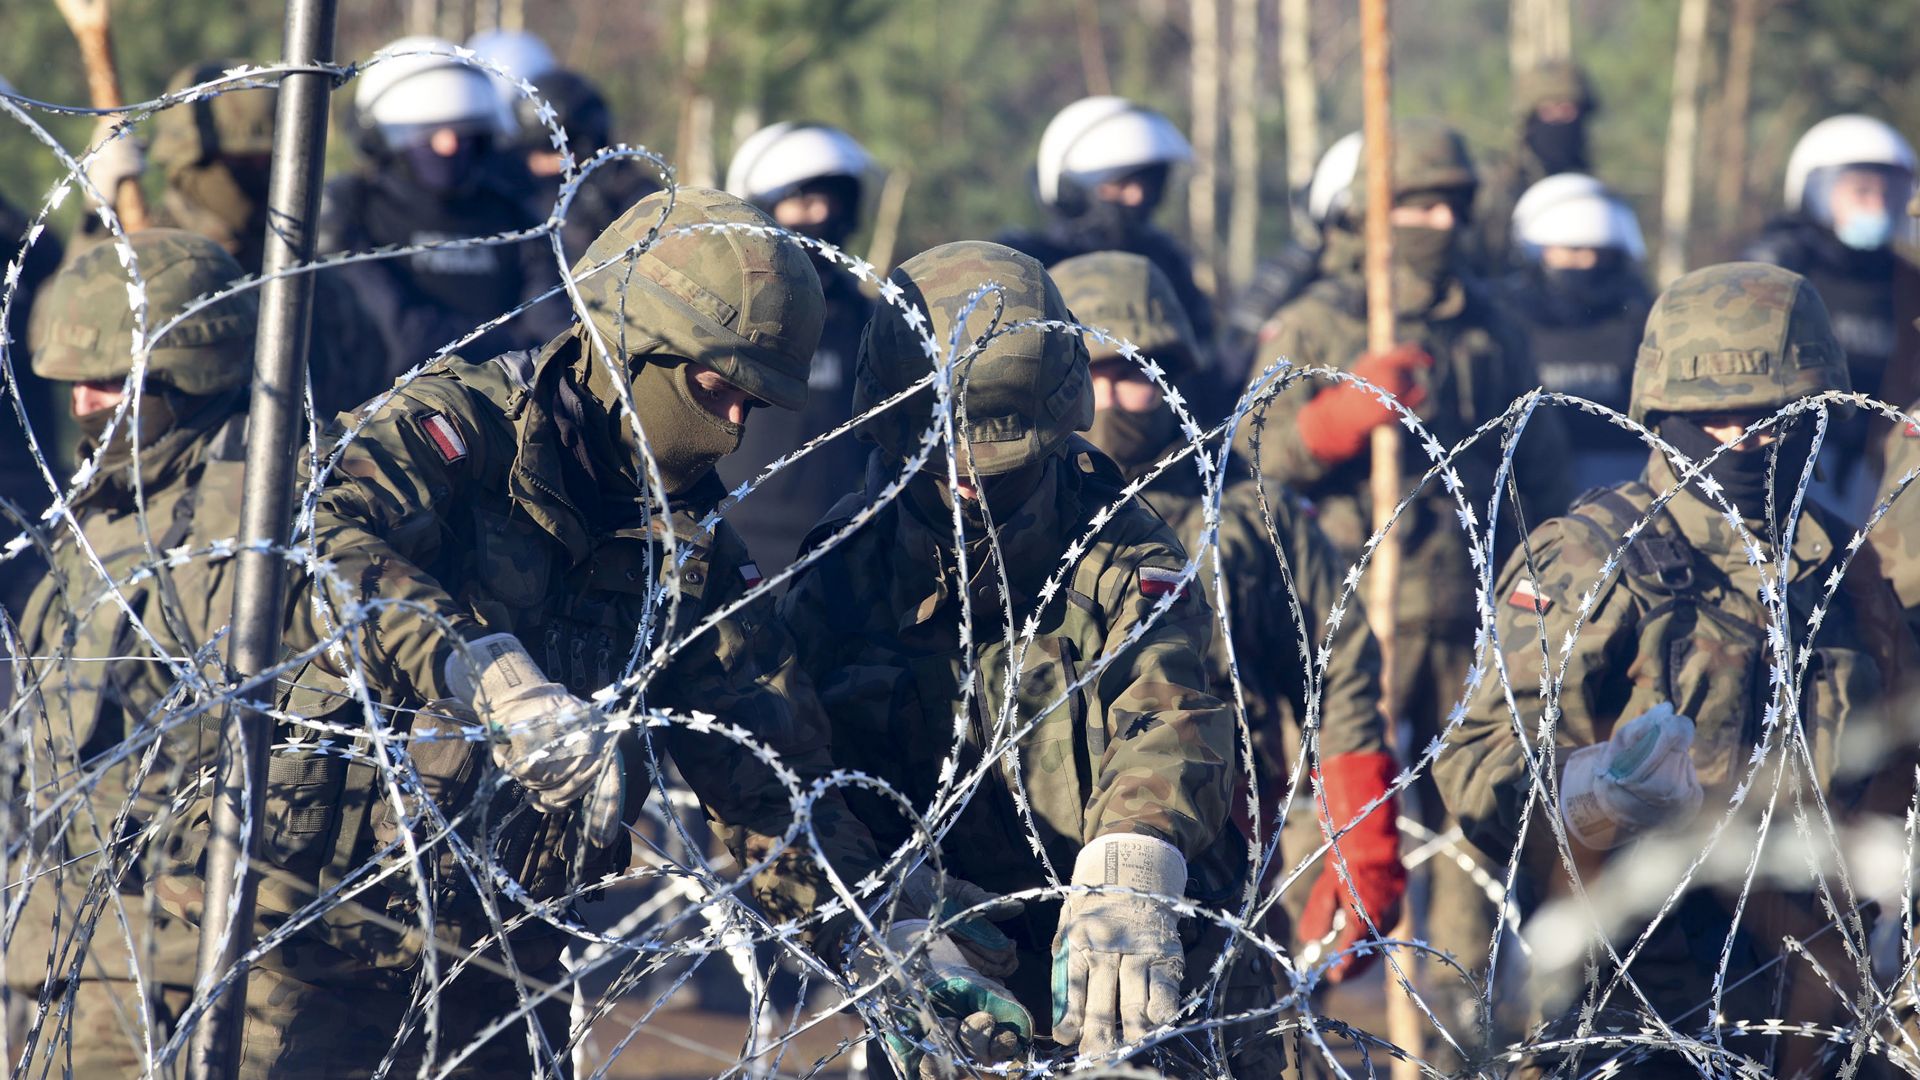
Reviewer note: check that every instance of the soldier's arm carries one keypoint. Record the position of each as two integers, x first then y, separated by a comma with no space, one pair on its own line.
1167,769
1483,775
745,672
1283,458
378,522
1350,718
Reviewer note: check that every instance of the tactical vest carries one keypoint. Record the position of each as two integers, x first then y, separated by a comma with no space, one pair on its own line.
1702,643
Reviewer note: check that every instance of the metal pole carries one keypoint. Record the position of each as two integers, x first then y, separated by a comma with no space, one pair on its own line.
266,520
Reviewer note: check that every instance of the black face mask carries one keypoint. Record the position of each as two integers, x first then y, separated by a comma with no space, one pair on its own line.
1572,297
446,177
928,496
1743,476
1560,147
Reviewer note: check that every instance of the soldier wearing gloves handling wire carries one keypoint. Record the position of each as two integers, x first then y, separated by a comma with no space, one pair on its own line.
1670,714
1104,766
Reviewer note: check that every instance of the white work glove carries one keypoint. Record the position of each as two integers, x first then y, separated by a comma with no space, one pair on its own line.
556,745
958,970
1641,779
118,160
1117,960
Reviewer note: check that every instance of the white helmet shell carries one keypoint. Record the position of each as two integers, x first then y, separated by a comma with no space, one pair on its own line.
1839,141
1577,211
518,51
432,87
1327,192
776,160
1100,138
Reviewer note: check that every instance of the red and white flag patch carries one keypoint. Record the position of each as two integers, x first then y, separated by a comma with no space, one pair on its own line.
750,573
1156,582
1527,598
445,437
1910,429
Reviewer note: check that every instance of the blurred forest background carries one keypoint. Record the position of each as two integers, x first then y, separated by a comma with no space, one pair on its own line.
951,97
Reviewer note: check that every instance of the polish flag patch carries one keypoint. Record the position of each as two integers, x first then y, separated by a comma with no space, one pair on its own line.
1910,429
750,573
1526,598
445,437
1156,582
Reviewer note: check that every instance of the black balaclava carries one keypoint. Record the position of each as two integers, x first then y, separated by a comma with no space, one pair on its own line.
1561,147
446,177
1134,440
1743,476
1111,224
1577,297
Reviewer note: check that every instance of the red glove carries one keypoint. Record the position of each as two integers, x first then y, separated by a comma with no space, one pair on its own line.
1337,423
1372,851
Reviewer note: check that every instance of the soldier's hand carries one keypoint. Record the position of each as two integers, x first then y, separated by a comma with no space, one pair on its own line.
925,893
1337,423
556,745
1376,878
120,159
1117,958
1641,779
977,1015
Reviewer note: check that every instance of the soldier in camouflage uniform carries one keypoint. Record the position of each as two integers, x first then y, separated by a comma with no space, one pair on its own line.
113,675
501,512
1126,295
1128,767
1666,696
1461,363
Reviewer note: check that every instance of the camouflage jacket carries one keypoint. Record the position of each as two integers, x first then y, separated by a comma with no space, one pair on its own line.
453,501
1480,366
1141,747
1266,634
1897,537
1679,621
94,684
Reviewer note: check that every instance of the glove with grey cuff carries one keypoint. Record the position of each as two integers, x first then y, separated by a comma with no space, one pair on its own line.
557,746
1640,780
117,161
1117,958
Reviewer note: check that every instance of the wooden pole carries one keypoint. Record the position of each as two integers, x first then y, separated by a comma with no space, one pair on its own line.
1299,91
1203,213
1093,48
1736,100
92,26
1676,196
1405,1026
1243,134
695,151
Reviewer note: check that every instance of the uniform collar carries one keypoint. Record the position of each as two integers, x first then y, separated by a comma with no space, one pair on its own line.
1706,529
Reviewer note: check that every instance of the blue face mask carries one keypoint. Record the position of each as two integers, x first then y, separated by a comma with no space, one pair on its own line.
1866,231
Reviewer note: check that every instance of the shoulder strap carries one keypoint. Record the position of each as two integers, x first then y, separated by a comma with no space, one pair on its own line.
1659,561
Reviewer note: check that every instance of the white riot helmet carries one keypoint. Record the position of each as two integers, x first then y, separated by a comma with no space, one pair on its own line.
775,161
1327,192
1097,139
518,51
1575,210
1838,142
399,101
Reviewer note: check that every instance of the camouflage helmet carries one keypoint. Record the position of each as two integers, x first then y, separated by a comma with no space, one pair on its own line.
82,329
1735,337
1552,80
1024,393
744,302
234,123
1127,296
1427,156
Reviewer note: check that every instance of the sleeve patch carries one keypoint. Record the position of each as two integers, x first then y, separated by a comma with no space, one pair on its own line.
1910,429
1527,598
750,573
1156,582
445,437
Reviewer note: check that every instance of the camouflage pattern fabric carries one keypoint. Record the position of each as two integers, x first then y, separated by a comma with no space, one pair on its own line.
1897,538
452,500
1129,297
745,303
231,124
1427,156
1679,622
1141,748
82,328
1736,337
1024,392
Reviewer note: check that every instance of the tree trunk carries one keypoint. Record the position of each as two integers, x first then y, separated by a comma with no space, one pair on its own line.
1203,214
1538,31
1676,197
694,151
1736,99
1299,91
423,16
1243,73
1093,48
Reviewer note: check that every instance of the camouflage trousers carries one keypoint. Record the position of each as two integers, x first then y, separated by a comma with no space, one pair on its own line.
1430,664
96,1032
